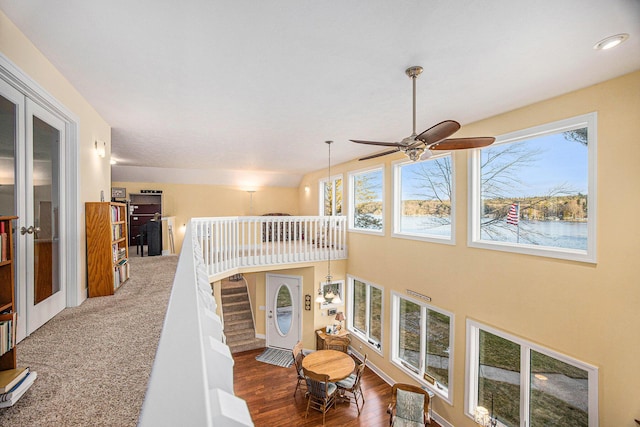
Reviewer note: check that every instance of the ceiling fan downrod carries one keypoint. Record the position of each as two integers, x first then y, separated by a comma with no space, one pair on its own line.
413,73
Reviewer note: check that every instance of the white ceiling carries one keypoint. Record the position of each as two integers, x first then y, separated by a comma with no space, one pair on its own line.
253,88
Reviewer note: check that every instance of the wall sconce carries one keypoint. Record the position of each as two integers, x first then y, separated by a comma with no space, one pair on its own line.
307,189
101,148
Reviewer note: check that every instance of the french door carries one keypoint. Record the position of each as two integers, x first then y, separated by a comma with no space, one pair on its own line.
283,310
32,169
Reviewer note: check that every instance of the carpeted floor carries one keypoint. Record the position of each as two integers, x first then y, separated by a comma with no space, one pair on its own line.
93,361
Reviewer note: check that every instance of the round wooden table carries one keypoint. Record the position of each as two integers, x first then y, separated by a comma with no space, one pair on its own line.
336,364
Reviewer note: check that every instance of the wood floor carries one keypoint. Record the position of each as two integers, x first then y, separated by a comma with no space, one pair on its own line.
268,391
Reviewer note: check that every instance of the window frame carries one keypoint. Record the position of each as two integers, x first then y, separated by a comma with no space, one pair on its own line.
446,395
472,362
321,184
397,203
475,202
352,194
365,337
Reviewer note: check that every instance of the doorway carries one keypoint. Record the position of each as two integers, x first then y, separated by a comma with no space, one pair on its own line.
32,147
284,323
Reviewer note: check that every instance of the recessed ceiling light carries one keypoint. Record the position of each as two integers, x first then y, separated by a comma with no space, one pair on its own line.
611,41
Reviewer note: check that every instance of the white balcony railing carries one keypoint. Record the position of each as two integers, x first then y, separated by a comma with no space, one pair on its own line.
192,376
232,243
191,381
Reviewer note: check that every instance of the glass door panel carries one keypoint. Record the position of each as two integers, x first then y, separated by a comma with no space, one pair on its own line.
8,137
46,204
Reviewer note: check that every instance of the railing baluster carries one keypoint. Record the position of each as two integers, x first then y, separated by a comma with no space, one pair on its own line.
228,243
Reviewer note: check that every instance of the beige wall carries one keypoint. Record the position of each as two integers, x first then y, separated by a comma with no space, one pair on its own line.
586,311
94,172
190,201
312,275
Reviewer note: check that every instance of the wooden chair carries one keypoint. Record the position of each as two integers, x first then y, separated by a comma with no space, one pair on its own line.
351,384
409,406
321,392
337,343
298,355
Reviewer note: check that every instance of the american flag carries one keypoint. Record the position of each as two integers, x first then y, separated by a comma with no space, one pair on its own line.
512,216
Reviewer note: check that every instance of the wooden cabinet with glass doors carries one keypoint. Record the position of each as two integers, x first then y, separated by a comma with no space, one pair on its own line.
107,248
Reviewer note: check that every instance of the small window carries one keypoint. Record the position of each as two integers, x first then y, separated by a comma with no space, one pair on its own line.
331,196
558,390
533,191
422,343
423,203
364,312
366,204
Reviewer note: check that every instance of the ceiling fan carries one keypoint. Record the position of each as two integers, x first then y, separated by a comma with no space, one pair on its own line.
418,147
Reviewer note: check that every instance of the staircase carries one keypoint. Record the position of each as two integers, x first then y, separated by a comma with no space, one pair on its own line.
238,320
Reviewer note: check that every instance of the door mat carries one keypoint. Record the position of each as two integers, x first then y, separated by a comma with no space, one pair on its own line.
276,356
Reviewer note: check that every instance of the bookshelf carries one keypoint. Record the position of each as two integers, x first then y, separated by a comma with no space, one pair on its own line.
107,248
7,295
14,380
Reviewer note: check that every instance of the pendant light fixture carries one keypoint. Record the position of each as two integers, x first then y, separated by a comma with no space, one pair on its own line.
320,298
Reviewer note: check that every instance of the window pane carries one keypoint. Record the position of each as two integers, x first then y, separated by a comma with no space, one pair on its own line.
534,191
284,309
559,393
338,198
328,198
367,200
409,334
426,197
360,306
499,378
437,357
375,314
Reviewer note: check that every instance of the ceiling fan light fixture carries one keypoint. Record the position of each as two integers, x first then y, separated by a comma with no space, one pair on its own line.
434,138
611,41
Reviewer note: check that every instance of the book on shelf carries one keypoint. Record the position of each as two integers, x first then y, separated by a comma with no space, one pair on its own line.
13,395
3,242
7,333
11,377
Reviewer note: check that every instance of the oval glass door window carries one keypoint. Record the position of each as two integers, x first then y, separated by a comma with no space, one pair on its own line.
284,310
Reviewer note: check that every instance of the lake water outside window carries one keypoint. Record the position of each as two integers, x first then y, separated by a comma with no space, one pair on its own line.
366,200
532,190
561,391
423,204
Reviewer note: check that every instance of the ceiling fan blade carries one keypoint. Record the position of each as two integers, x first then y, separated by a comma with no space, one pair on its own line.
439,132
384,144
384,153
463,143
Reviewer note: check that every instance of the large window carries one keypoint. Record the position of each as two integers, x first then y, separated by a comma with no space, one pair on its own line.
331,196
423,199
523,384
364,312
422,343
366,206
533,191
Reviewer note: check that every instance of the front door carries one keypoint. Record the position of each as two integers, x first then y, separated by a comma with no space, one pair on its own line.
283,310
32,170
